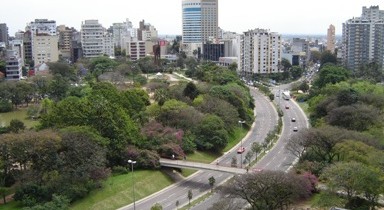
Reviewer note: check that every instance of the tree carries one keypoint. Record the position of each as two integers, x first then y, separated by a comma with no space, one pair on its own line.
268,189
271,96
157,206
371,71
315,56
234,162
354,117
58,87
211,133
63,69
223,109
256,148
331,74
58,203
5,106
296,72
191,91
286,64
212,181
233,67
328,57
189,197
16,125
355,179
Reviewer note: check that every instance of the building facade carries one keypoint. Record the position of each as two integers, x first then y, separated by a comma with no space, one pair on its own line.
363,39
122,32
4,33
45,49
200,20
260,52
331,39
65,41
136,49
13,65
95,40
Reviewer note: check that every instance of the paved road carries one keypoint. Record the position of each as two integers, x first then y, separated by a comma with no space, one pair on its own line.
278,158
198,183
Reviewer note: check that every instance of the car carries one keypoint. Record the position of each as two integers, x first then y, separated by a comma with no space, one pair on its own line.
286,106
257,170
240,150
295,129
293,119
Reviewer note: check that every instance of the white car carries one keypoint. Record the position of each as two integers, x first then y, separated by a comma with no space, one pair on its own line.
295,129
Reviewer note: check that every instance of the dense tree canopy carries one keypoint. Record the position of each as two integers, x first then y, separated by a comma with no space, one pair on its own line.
269,189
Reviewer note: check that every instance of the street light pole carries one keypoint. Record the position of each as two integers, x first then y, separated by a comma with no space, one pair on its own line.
241,144
133,184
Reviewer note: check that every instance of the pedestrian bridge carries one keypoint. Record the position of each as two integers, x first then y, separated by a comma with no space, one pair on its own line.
200,166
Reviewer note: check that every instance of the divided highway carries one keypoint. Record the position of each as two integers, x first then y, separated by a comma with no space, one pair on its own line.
276,159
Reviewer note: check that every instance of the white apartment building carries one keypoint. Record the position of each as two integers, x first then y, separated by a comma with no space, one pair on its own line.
45,48
18,47
260,52
122,32
95,40
42,26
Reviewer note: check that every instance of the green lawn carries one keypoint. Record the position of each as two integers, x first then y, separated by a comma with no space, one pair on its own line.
10,206
304,106
20,114
235,138
117,190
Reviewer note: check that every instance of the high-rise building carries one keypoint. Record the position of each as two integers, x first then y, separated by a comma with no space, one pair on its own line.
13,65
65,41
146,32
41,30
4,33
260,52
200,20
331,39
363,39
95,39
122,32
42,26
45,48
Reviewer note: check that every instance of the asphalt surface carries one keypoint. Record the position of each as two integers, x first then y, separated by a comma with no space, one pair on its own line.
278,158
198,183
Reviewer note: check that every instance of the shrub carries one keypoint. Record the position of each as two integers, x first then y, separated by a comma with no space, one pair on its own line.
5,106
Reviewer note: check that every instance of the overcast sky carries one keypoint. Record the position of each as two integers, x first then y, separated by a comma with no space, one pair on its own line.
282,16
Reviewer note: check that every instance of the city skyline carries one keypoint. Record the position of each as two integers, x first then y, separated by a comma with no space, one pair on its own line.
290,17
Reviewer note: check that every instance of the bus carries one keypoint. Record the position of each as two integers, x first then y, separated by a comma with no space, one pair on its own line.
286,95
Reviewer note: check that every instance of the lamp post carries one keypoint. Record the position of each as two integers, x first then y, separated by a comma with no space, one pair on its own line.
133,183
241,122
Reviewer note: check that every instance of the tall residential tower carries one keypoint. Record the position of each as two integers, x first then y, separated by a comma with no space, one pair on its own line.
363,39
260,52
200,21
331,39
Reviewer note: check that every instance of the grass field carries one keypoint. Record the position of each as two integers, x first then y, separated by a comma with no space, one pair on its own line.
20,114
117,190
10,206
